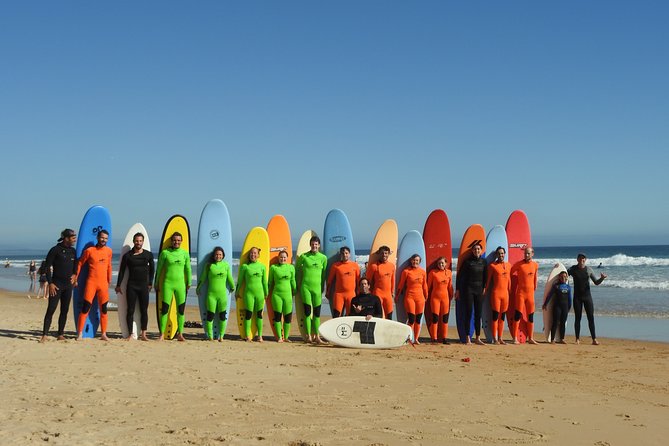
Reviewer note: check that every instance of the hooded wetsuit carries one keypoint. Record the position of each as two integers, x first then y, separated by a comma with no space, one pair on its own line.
440,292
283,286
219,279
253,277
174,271
99,261
312,266
345,276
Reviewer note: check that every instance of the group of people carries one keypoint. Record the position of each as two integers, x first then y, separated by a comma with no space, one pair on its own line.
349,292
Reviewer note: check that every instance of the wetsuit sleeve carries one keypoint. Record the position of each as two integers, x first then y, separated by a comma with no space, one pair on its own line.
569,298
228,272
357,275
324,262
82,260
152,264
461,277
450,286
331,277
594,278
121,269
293,283
109,267
159,269
424,285
50,257
270,282
370,274
536,274
570,270
550,294
264,280
403,279
485,275
205,275
488,282
378,308
188,274
241,277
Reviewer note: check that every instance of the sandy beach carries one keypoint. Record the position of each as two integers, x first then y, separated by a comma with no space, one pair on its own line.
198,392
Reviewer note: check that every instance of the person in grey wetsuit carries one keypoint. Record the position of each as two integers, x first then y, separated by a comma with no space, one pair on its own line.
582,275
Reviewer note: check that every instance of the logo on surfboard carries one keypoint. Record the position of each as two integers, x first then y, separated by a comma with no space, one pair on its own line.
337,238
214,234
518,245
344,331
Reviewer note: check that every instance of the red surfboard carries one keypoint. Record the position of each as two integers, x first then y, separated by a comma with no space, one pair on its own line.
520,237
437,239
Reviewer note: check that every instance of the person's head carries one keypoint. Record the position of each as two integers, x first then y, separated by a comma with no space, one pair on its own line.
442,263
581,259
384,253
217,254
344,253
563,277
254,253
138,241
103,237
500,253
363,286
414,261
176,240
529,252
314,243
477,250
68,237
283,257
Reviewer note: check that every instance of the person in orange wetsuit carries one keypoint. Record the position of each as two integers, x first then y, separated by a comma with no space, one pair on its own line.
99,261
341,283
382,279
526,273
413,282
440,292
499,286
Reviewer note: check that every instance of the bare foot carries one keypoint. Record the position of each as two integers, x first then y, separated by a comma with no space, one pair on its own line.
143,337
532,341
501,342
160,337
479,341
578,341
260,339
595,342
516,342
80,338
279,340
287,340
42,340
60,338
130,338
180,337
561,341
104,337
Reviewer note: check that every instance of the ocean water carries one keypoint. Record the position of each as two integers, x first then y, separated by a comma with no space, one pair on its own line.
633,302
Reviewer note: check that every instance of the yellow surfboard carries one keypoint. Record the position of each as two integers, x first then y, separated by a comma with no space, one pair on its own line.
302,247
279,240
175,223
258,238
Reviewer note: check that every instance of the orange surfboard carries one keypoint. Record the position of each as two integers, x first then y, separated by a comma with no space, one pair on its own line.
279,240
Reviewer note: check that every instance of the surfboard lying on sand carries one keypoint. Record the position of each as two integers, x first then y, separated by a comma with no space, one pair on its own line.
357,332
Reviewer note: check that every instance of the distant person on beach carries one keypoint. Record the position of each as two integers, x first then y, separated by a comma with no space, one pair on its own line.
440,293
218,277
413,283
499,287
140,269
365,303
470,287
7,263
43,284
381,277
582,297
282,288
526,284
253,278
60,268
99,261
561,292
342,281
32,272
173,279
312,266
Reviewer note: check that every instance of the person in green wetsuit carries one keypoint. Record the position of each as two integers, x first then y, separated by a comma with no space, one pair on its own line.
282,288
312,266
173,277
218,277
252,276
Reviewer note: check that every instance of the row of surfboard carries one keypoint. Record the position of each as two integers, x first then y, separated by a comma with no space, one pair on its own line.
215,230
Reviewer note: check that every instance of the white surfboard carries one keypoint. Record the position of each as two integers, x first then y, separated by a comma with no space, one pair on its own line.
121,298
548,312
358,332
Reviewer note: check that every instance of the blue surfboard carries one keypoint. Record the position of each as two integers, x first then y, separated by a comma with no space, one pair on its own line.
337,234
95,219
412,243
214,230
496,237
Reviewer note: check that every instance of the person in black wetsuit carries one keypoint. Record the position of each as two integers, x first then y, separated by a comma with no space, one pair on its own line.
141,268
61,275
470,286
561,292
366,304
582,297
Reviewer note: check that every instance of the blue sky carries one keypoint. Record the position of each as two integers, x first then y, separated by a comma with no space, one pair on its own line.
383,109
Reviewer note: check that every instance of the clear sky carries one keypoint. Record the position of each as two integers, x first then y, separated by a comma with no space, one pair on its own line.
385,109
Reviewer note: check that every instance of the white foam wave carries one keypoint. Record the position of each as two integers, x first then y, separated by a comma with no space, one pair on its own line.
637,284
615,260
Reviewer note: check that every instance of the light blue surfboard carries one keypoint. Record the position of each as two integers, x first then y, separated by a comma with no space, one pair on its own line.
337,234
95,219
412,243
496,237
214,230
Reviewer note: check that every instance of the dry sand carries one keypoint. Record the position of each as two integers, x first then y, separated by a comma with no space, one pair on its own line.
233,392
